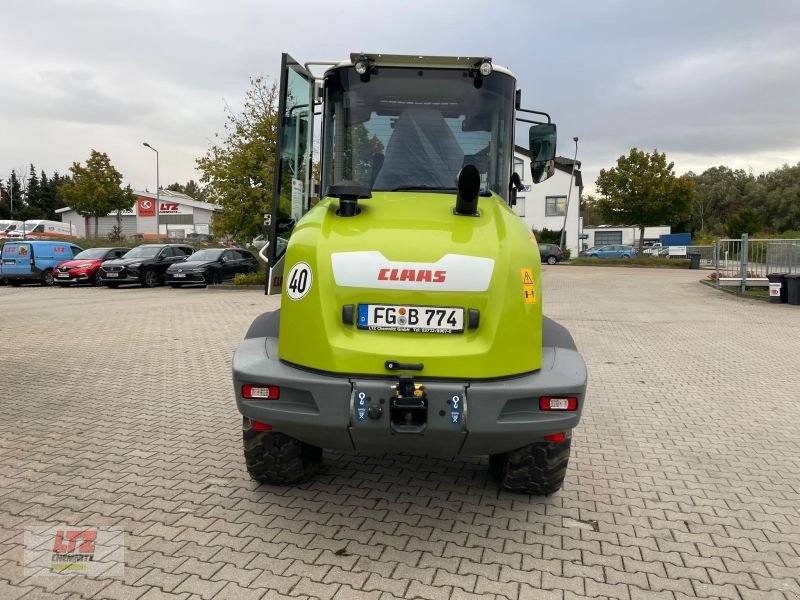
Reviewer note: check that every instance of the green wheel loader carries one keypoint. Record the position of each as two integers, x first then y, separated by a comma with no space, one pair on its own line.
411,310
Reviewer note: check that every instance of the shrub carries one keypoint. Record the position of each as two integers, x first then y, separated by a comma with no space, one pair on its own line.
256,278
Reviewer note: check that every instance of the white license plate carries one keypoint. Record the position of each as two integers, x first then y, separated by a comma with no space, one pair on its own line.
63,275
112,274
414,319
179,275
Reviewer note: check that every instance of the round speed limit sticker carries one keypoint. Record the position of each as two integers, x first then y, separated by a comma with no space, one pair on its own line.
298,283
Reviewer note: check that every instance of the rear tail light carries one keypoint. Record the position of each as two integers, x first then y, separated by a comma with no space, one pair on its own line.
259,426
555,437
558,403
253,391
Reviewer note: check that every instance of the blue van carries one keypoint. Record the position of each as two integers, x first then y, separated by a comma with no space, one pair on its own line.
34,260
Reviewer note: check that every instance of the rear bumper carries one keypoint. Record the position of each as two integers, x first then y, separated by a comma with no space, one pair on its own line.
195,278
323,409
122,278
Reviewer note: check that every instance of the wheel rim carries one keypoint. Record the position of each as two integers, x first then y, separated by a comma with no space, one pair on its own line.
213,278
551,260
150,279
96,278
47,278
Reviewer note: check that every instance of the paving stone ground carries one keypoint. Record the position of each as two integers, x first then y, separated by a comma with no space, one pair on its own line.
116,409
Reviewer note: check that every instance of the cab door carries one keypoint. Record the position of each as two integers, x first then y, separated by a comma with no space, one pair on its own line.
291,185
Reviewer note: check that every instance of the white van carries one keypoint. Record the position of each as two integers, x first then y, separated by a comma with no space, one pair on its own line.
40,229
7,225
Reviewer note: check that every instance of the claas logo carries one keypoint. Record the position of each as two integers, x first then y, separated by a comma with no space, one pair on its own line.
412,275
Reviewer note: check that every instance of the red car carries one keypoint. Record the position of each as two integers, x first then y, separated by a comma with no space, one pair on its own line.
85,267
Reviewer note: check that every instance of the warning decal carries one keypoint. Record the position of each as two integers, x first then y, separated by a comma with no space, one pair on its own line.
529,293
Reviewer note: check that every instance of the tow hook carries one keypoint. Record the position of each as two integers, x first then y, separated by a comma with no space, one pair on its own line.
408,408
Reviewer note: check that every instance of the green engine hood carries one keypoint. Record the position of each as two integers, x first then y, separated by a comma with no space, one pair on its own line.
410,249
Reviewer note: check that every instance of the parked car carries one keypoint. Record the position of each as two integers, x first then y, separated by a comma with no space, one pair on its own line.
41,229
7,225
655,249
85,267
146,265
34,260
616,251
258,242
211,266
550,253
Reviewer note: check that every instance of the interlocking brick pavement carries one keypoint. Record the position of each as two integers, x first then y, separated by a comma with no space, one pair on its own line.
116,409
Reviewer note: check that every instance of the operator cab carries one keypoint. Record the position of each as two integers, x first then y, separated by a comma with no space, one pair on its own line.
393,123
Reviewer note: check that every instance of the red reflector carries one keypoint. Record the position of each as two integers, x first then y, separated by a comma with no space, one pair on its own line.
259,426
261,392
554,403
555,437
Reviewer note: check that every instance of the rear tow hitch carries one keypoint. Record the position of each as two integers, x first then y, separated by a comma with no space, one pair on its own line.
408,408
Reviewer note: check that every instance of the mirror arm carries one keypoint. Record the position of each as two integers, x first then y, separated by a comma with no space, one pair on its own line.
535,112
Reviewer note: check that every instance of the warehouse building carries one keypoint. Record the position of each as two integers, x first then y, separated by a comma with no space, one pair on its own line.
179,216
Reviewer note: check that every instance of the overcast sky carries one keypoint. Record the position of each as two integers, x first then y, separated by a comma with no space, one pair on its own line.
707,81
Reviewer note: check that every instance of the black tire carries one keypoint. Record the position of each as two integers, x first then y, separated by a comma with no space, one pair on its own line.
278,459
95,281
625,257
113,286
175,285
551,260
48,279
213,278
15,283
537,468
150,279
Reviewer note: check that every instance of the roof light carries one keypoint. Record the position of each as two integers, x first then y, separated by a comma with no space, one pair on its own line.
362,67
485,68
252,391
558,403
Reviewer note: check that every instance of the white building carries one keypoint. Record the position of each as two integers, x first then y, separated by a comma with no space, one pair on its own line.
604,235
544,205
179,216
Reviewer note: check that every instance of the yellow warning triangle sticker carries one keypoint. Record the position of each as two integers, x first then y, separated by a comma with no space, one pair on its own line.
526,278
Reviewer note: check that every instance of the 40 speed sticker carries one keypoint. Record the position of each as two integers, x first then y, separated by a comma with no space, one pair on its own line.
299,281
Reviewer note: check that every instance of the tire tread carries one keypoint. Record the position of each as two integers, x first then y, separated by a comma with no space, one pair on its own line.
537,468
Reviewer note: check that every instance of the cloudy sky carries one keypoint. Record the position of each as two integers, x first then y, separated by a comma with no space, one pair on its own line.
707,81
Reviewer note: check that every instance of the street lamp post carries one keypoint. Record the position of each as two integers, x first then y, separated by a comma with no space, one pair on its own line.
569,193
158,198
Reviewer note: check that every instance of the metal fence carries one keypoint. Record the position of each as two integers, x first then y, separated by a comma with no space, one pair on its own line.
746,263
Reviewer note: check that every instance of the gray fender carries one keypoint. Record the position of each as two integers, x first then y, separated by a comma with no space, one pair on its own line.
556,335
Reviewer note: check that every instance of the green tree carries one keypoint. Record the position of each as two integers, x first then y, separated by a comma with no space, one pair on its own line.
721,192
191,189
590,213
747,220
778,198
643,190
96,189
12,193
238,170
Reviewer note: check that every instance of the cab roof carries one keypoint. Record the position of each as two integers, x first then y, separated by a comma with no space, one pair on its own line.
429,62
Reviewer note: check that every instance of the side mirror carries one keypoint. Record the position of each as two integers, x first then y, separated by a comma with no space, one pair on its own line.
543,151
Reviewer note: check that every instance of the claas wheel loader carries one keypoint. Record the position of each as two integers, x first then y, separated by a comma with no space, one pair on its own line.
410,319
